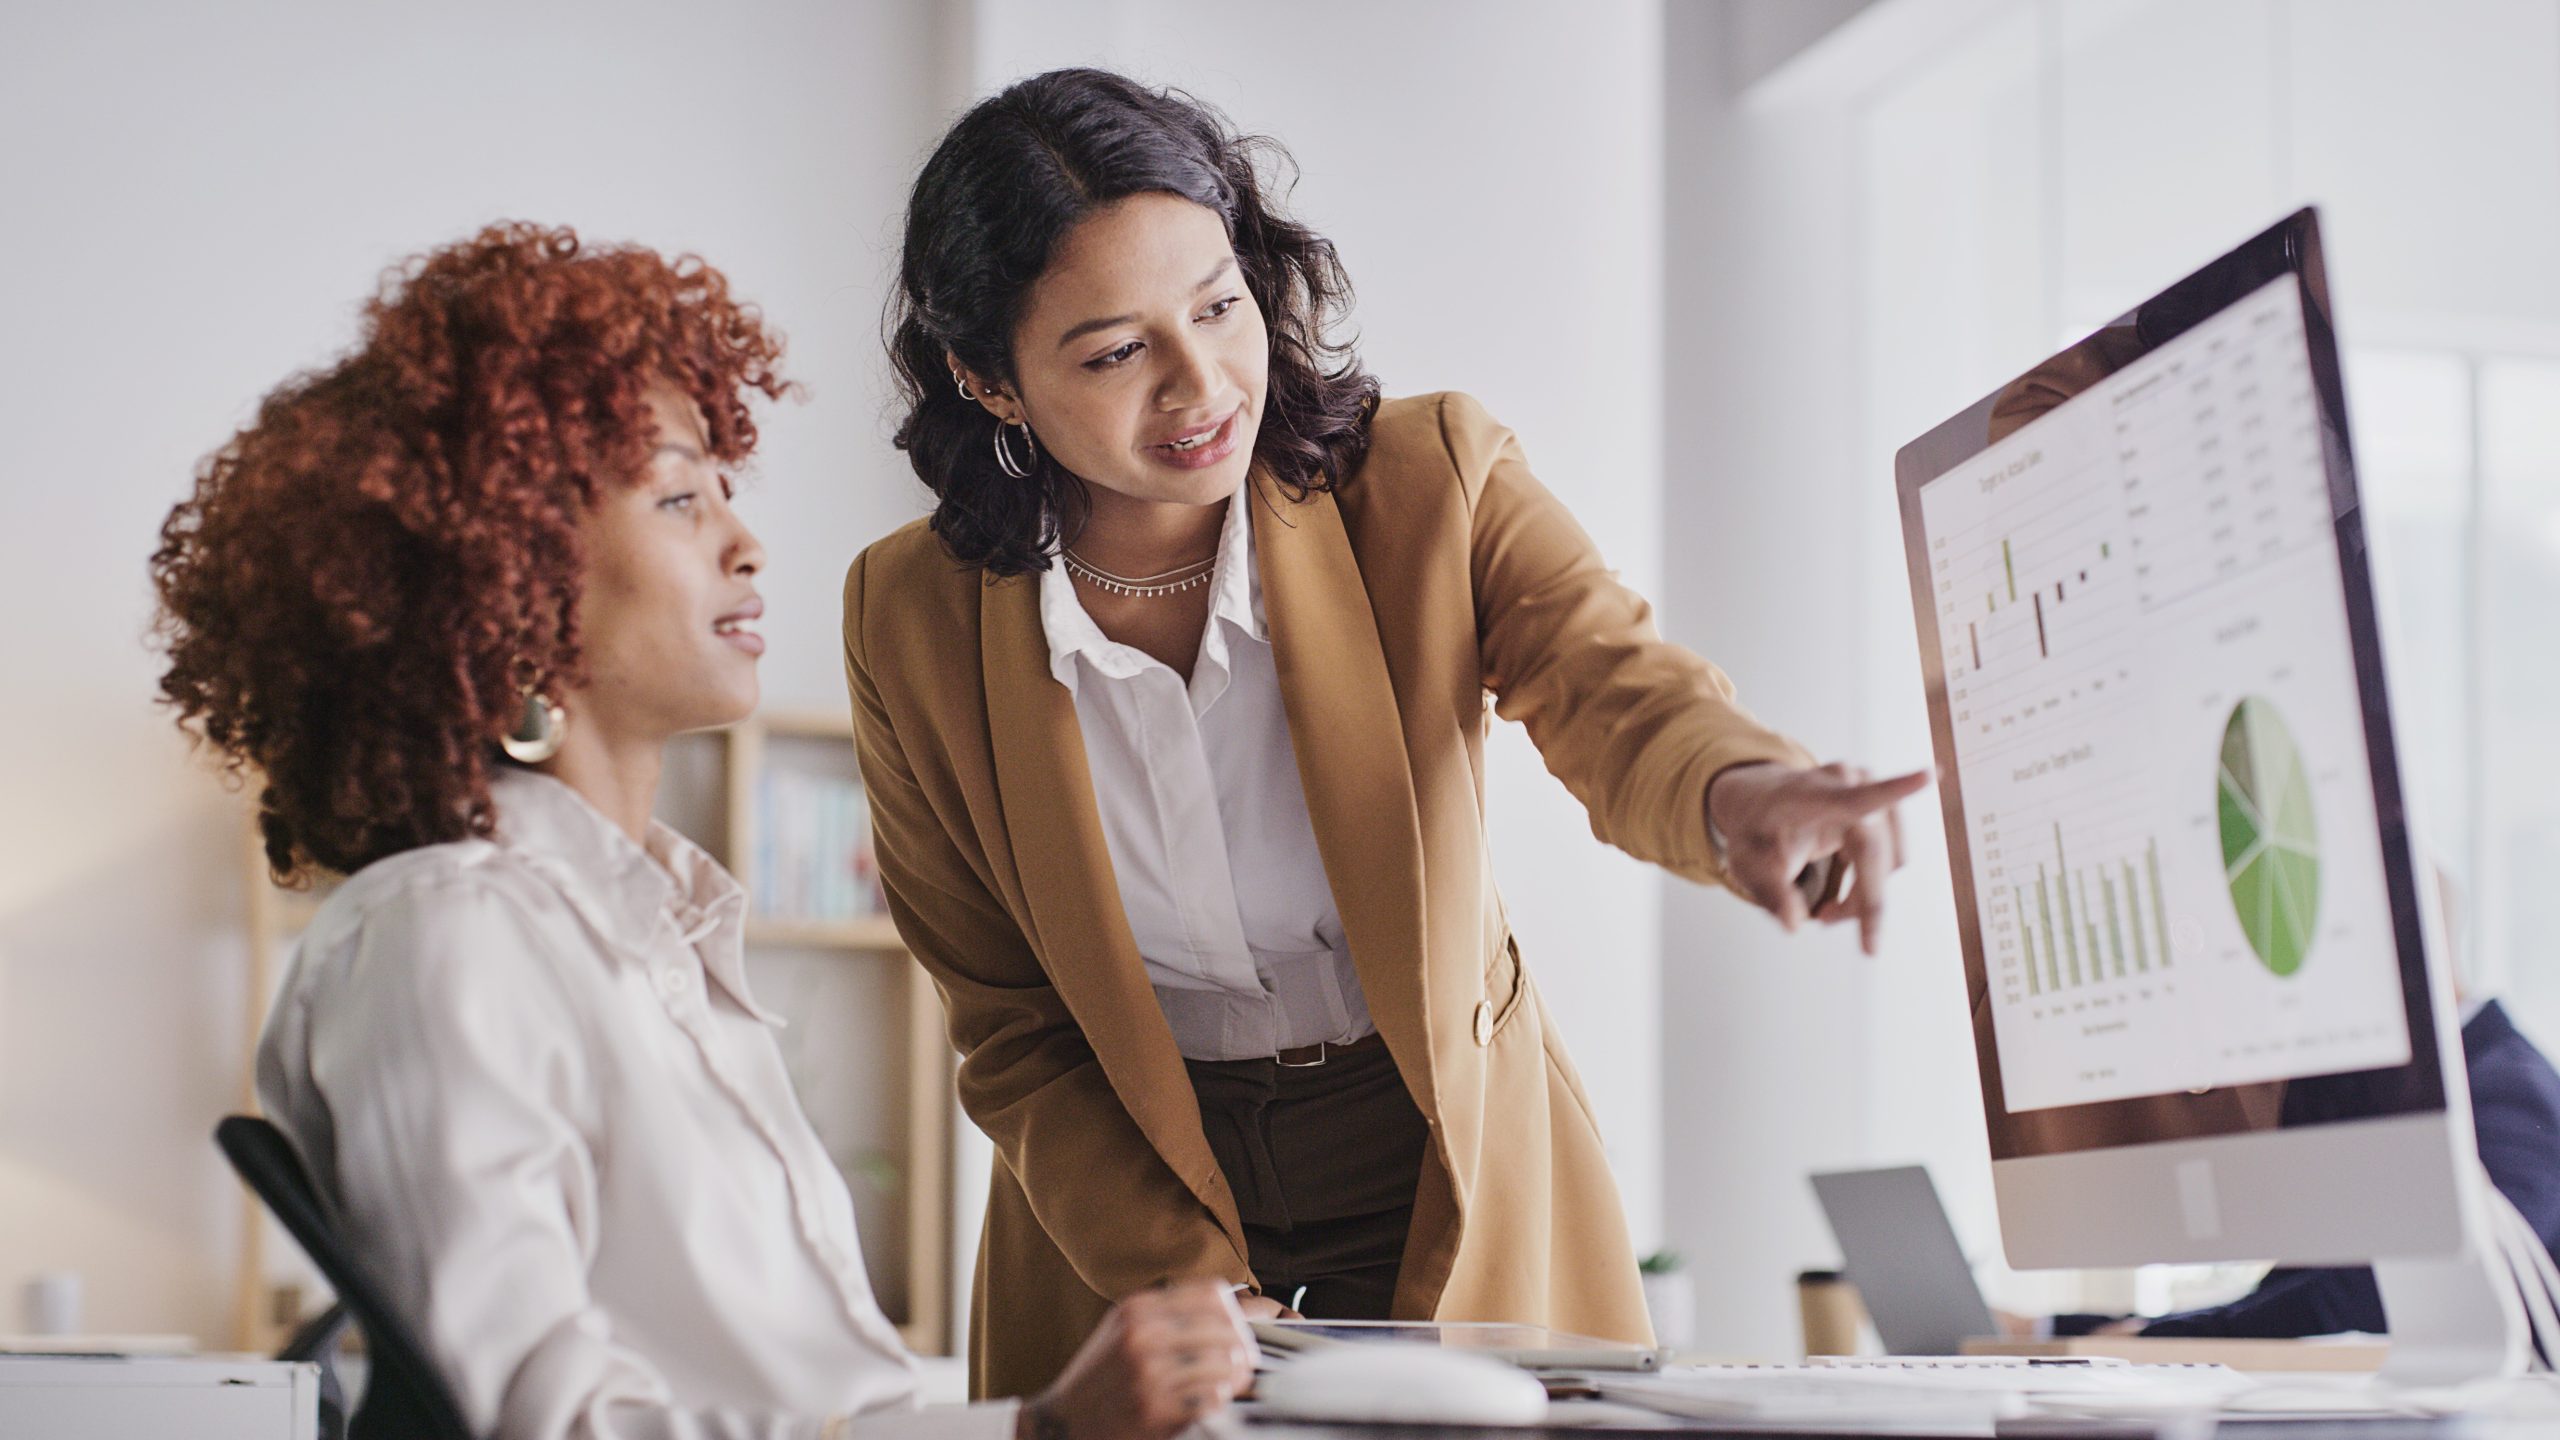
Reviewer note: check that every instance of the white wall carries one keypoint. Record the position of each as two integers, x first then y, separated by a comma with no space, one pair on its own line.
1758,37
197,198
1490,172
1763,1036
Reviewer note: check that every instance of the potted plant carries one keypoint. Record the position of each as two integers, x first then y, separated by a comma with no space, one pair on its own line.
1671,1298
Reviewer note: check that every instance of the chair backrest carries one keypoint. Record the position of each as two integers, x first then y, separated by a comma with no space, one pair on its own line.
404,1397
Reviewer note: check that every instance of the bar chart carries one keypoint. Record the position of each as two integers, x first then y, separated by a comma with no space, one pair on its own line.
2083,904
2053,593
2061,938
2029,570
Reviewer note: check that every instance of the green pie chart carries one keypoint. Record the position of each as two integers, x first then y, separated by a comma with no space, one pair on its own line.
2270,845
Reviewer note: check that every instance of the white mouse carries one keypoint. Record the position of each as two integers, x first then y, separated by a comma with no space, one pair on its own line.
1391,1381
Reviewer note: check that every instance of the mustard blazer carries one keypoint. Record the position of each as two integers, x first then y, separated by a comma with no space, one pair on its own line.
1441,579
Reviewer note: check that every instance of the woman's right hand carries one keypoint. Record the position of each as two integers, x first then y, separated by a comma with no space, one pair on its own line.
1160,1361
1775,819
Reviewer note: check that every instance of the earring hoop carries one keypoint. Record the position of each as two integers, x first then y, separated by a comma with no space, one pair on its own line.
965,392
1018,469
539,730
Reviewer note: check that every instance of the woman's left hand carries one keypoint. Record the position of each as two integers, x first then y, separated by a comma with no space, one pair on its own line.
1777,819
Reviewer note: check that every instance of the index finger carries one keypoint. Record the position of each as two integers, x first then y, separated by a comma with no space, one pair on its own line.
1875,795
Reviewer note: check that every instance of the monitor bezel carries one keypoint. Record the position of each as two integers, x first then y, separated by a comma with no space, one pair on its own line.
2289,247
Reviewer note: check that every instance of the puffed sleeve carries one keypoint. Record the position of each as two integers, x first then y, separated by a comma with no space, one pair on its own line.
451,1063
1634,726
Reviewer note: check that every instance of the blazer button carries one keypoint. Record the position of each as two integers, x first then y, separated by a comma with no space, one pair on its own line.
1484,1022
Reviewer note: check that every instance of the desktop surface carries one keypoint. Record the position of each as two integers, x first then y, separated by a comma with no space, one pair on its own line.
1565,1421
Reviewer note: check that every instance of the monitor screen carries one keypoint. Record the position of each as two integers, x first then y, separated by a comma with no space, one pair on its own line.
2182,871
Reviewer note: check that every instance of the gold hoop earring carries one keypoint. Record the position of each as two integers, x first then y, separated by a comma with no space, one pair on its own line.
1018,469
539,730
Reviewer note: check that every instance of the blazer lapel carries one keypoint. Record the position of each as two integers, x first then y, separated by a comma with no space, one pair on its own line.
1348,736
1078,925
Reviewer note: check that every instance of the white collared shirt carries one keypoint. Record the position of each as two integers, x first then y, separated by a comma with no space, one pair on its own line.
546,1113
1206,821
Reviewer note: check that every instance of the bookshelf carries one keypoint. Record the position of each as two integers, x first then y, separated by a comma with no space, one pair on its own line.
264,1313
896,1097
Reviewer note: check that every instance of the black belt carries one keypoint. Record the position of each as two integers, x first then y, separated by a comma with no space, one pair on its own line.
1307,1057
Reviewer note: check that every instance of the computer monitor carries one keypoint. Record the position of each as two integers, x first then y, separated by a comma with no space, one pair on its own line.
2206,1016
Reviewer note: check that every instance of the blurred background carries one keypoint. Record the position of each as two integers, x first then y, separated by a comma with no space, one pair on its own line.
1715,260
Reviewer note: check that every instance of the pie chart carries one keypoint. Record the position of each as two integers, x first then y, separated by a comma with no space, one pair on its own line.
2270,845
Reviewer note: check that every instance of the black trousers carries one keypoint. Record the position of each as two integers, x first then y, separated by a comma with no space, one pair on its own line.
1323,1161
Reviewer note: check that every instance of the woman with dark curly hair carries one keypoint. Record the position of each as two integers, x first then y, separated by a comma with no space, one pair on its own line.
447,601
1172,716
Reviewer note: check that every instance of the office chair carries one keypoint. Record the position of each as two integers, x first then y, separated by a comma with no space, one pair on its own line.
404,1397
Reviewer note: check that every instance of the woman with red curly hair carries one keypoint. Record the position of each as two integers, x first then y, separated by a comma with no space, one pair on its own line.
447,600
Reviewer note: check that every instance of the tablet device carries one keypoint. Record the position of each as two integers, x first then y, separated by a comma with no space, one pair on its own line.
1533,1347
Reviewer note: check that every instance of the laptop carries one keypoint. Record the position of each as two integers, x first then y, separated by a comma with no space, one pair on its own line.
1900,1251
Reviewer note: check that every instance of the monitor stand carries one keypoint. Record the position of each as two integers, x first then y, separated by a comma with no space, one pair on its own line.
2454,1319
2475,1315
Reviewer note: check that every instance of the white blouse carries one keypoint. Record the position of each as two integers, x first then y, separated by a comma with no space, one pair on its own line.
529,1079
1206,821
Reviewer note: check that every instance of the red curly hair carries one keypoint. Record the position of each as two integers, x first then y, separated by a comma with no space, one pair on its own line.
369,575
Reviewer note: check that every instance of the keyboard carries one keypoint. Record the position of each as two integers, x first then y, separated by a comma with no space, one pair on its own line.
1925,1396
1973,1395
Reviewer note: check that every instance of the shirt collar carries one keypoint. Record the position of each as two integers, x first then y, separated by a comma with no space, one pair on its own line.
1236,598
1238,595
623,888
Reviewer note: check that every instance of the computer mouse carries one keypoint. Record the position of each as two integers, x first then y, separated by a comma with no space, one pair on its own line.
1400,1382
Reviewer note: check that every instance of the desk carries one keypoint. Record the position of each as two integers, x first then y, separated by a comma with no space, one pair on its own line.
2161,1406
1565,1429
118,1397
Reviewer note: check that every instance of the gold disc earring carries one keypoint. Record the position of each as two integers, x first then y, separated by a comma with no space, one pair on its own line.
539,730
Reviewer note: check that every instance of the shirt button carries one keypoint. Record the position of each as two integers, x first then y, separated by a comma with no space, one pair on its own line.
1484,1022
673,983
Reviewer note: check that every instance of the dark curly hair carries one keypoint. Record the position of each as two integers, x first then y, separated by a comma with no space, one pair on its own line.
368,576
1004,186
